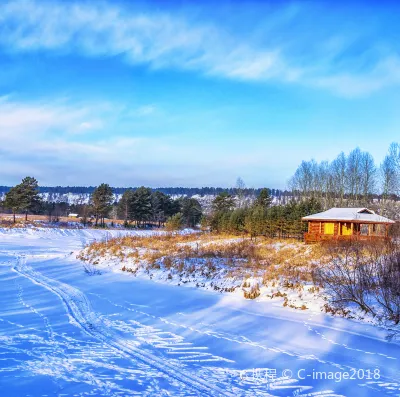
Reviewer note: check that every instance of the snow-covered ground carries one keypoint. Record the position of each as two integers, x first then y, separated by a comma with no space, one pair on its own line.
66,333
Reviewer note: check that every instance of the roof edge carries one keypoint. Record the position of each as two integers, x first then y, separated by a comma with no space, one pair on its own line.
389,221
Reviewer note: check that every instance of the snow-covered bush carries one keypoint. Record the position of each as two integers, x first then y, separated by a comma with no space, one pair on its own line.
366,276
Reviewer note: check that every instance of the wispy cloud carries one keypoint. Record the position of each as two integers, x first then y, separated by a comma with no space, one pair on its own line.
385,73
42,138
165,40
24,120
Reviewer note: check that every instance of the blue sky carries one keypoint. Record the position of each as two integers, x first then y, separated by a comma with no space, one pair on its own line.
192,94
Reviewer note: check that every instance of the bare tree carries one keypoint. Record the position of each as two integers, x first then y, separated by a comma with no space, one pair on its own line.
351,180
344,278
240,193
338,171
354,177
368,276
389,180
368,176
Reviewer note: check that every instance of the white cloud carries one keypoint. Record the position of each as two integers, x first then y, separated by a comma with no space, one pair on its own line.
384,74
278,50
27,120
160,40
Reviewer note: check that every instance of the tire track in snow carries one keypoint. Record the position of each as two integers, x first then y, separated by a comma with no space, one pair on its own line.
55,348
82,315
171,343
241,339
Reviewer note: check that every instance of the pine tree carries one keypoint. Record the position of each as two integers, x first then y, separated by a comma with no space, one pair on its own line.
102,199
237,220
264,199
223,202
191,211
23,197
161,206
125,206
175,222
30,194
142,205
13,200
255,221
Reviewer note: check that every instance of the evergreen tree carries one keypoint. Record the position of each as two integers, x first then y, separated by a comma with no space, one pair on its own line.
162,207
175,207
23,197
191,211
175,222
102,199
223,202
264,199
30,197
13,200
125,206
142,205
255,221
237,220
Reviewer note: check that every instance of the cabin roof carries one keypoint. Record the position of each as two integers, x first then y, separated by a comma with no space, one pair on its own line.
348,215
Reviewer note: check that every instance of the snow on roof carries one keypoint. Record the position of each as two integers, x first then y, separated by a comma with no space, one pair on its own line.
348,214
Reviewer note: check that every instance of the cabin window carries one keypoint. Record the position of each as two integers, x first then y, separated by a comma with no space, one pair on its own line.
329,228
346,229
364,230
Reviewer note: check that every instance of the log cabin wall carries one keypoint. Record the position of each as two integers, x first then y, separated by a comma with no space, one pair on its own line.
318,227
314,227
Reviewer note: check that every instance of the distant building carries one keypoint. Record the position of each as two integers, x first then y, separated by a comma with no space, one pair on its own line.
73,216
346,224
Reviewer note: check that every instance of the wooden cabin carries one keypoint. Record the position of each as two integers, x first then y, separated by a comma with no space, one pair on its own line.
346,224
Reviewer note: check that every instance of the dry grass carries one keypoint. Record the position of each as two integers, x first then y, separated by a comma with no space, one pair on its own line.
269,259
32,218
6,220
272,268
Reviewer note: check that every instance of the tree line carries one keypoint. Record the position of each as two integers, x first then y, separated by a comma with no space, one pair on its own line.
140,207
172,191
145,207
350,180
261,218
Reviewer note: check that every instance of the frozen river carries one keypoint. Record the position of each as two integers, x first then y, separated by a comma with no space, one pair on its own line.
66,333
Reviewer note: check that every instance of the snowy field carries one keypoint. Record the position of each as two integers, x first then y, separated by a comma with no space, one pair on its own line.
66,333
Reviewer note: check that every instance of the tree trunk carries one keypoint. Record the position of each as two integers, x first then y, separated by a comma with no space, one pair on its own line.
26,215
14,216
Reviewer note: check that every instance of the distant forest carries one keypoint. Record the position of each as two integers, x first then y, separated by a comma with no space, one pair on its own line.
187,191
